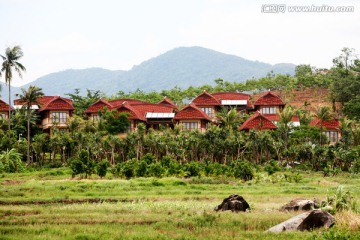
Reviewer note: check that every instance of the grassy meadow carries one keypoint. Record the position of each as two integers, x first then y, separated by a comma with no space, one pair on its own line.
49,204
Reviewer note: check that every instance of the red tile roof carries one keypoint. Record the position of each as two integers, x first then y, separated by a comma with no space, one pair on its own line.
258,121
134,113
98,105
269,99
333,124
139,110
167,101
191,112
112,104
4,106
51,103
206,99
276,117
231,96
118,102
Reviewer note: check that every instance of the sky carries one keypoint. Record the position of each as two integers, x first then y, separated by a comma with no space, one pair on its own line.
56,35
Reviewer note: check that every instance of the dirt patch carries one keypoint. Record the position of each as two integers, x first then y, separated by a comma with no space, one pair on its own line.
12,182
64,201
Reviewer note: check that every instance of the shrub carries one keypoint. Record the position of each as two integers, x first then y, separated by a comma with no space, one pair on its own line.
77,167
102,168
11,161
156,170
342,200
272,167
243,170
128,169
193,169
141,169
148,158
82,164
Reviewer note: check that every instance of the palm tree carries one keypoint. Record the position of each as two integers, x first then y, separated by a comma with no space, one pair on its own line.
28,98
285,122
10,63
323,114
230,119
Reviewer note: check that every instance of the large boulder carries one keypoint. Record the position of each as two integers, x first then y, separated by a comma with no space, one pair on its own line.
235,203
305,221
301,205
317,219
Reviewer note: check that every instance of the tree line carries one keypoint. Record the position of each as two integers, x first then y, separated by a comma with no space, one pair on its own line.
88,146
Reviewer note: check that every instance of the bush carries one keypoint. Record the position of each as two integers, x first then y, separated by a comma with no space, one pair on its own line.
102,168
128,169
272,167
243,170
82,164
193,169
77,167
156,170
141,169
148,158
10,161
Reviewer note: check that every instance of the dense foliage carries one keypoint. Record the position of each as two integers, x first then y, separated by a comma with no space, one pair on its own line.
221,150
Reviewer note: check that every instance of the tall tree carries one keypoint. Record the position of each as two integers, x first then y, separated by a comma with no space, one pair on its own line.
29,98
10,63
323,114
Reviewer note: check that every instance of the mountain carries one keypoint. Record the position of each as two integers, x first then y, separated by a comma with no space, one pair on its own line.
182,67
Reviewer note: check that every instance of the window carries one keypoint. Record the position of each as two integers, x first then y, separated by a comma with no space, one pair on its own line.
208,111
189,125
268,110
332,136
58,117
96,117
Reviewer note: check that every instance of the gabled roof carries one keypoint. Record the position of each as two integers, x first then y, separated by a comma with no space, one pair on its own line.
51,103
112,104
4,106
143,108
258,121
230,96
134,113
167,101
218,99
206,99
98,105
269,99
118,102
190,112
333,124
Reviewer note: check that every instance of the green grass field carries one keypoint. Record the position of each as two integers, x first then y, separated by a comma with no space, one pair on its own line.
51,205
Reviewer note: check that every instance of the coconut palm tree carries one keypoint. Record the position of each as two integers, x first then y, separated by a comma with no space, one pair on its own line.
285,118
10,63
29,98
230,119
323,114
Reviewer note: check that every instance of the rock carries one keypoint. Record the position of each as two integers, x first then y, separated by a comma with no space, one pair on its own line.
317,219
235,203
305,221
300,205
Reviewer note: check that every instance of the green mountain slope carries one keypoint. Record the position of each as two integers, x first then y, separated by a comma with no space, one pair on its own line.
182,67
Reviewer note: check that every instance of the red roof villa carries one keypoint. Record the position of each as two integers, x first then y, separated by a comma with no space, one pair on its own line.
4,110
54,111
211,103
152,115
331,128
191,117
